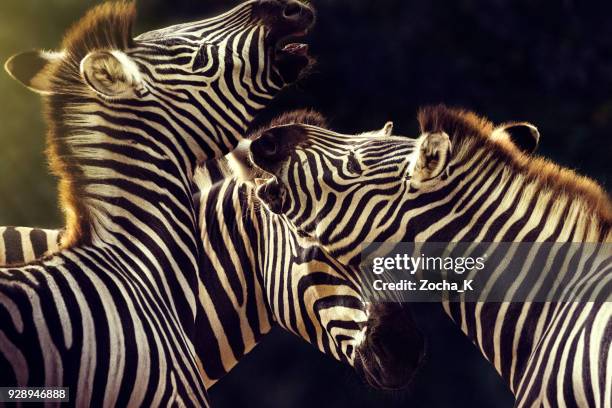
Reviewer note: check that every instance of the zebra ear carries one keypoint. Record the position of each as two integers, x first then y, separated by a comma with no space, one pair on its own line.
523,135
387,130
433,157
112,74
31,69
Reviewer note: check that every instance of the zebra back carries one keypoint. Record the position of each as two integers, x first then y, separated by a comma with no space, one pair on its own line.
21,245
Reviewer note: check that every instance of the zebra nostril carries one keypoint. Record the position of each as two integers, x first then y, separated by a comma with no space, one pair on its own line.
292,10
268,145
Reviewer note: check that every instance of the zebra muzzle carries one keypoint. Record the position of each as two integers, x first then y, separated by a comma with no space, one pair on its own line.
393,349
289,21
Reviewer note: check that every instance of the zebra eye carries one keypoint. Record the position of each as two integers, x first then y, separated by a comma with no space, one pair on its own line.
353,164
407,175
200,59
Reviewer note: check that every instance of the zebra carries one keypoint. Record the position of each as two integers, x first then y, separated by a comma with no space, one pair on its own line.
264,266
463,180
239,300
112,314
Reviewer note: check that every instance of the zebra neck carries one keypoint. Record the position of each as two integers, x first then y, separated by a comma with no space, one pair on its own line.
497,204
293,268
115,180
486,200
232,312
289,270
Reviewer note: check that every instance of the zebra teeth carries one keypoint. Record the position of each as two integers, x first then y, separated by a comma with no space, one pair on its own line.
296,49
288,40
291,40
292,59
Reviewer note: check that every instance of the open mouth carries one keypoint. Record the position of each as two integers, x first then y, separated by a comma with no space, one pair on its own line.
292,43
290,52
292,57
288,21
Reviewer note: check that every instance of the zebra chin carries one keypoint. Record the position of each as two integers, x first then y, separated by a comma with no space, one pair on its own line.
393,349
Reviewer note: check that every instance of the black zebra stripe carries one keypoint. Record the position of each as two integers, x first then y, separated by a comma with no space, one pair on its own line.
550,354
112,314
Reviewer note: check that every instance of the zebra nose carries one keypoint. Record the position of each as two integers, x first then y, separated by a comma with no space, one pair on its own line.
393,349
292,9
286,16
268,146
297,11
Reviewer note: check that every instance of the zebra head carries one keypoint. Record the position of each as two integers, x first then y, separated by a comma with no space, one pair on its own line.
204,80
343,190
306,291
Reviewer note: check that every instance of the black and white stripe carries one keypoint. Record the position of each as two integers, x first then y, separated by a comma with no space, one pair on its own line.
112,315
247,250
258,272
19,245
462,181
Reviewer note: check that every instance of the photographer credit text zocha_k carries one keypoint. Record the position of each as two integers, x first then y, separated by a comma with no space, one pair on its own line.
424,273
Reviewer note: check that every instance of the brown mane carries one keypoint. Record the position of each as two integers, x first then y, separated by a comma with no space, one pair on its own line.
248,171
299,116
107,26
463,126
104,27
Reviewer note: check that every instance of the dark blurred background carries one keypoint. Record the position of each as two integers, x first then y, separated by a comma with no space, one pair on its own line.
549,63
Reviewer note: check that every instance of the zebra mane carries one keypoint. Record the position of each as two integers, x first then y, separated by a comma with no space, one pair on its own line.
299,116
457,123
469,132
107,26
